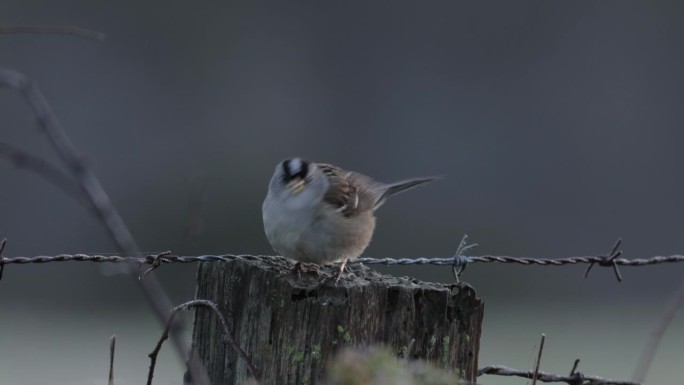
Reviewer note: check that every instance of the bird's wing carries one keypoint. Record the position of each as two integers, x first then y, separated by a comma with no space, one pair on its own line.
351,193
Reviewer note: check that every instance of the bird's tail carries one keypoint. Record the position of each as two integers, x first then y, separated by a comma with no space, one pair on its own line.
401,186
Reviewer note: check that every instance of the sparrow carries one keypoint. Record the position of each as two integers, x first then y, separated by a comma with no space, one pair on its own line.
318,212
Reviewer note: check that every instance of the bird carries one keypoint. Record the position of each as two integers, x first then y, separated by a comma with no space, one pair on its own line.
321,213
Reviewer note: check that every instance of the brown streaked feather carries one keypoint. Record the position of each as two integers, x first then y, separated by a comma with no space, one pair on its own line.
351,193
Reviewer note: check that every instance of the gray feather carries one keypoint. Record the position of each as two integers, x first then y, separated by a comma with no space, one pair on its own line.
401,186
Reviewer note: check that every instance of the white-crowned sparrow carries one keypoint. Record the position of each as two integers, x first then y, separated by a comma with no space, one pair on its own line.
317,212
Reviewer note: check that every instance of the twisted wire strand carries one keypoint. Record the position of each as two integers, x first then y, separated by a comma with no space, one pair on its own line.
574,378
168,258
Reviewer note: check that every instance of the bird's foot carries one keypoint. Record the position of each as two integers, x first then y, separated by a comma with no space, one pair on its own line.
338,274
297,269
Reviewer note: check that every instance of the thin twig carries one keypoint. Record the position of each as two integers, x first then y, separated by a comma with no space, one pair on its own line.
226,335
539,355
53,30
52,128
98,198
37,165
500,370
649,351
112,346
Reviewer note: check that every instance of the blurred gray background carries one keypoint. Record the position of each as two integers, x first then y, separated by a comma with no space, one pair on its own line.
558,126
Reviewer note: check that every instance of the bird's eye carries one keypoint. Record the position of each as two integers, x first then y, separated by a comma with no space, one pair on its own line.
303,169
295,168
287,173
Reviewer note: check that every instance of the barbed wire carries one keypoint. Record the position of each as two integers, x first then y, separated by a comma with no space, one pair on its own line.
168,258
155,260
575,378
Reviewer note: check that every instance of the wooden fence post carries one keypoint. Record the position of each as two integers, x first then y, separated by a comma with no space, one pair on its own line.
291,326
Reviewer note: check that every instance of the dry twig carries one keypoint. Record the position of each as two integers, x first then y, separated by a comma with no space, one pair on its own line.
21,159
226,335
53,30
649,351
112,346
97,198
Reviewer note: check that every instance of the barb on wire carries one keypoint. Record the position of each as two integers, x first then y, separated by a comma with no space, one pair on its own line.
165,258
535,375
226,335
460,260
609,260
573,379
156,262
574,367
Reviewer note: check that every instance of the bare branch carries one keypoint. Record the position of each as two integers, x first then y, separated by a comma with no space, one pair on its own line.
112,346
52,128
53,30
226,335
21,159
98,198
649,351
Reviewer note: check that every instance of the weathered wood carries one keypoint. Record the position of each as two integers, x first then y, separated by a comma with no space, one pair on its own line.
290,326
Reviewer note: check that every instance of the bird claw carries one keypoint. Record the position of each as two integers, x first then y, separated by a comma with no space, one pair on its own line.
339,274
297,269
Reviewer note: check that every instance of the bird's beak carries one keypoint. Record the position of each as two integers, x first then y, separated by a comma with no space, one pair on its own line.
296,185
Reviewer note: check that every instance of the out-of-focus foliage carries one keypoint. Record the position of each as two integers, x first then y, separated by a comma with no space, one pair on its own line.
378,366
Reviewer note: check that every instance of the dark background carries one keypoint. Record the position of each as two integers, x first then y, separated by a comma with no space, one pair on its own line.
558,126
